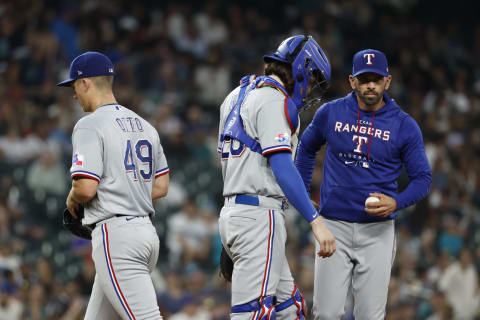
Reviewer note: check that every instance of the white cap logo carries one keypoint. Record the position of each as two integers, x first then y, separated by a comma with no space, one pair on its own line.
110,70
369,57
80,72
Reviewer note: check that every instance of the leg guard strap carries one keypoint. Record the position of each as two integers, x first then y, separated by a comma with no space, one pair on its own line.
297,300
265,306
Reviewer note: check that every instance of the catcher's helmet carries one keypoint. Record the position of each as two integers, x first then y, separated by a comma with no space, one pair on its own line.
307,59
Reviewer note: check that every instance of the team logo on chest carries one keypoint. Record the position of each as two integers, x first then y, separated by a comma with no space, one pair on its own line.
362,135
362,128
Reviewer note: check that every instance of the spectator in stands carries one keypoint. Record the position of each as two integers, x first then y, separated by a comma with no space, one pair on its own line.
174,297
10,307
173,60
47,174
459,284
188,238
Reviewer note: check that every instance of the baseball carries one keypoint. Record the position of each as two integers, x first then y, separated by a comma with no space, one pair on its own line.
371,199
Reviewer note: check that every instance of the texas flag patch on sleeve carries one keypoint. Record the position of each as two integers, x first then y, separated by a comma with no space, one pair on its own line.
77,160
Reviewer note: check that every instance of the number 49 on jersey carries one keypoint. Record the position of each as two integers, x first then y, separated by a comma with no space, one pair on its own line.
139,154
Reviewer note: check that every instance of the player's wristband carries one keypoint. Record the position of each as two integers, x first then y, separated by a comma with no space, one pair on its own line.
292,185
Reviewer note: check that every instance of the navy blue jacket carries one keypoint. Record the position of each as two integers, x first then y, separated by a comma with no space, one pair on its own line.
365,153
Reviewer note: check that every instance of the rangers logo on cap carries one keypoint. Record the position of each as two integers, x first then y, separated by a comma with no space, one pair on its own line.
370,60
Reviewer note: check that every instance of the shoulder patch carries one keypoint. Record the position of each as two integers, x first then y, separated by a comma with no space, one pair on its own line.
282,137
78,160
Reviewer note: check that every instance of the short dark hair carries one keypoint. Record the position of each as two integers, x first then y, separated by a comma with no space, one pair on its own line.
283,71
103,82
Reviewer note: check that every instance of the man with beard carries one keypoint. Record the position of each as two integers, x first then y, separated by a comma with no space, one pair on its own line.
369,139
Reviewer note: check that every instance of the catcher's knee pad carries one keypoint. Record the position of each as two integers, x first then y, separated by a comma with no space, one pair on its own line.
264,307
297,300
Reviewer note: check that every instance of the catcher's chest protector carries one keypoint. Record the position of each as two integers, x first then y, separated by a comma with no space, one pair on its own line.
234,128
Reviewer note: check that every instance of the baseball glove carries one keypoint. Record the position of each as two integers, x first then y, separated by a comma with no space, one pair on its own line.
226,265
75,225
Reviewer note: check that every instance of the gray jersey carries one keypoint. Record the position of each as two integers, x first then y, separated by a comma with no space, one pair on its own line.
264,119
121,151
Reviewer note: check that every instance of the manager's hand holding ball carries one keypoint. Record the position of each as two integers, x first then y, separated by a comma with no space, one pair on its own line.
380,205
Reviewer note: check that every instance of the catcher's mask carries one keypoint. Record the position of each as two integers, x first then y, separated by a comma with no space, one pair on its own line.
311,69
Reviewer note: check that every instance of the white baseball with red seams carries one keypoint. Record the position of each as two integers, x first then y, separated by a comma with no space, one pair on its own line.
371,199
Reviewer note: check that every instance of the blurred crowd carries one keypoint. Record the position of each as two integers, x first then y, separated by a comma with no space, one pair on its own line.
175,62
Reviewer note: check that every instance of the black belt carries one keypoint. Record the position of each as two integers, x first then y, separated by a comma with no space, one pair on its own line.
93,225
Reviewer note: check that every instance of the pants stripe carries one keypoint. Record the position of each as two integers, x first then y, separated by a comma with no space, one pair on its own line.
113,277
270,245
268,264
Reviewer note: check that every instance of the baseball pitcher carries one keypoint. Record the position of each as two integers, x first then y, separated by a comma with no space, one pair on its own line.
118,167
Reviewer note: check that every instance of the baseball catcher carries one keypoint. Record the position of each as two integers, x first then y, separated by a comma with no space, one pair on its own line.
258,135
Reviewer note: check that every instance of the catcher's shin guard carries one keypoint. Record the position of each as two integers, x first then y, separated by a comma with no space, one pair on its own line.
264,308
296,300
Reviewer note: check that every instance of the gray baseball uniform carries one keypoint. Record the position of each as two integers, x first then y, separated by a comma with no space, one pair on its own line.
264,120
254,235
371,248
121,151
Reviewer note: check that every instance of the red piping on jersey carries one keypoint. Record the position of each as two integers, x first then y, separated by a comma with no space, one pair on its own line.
84,176
162,174
276,150
292,129
369,129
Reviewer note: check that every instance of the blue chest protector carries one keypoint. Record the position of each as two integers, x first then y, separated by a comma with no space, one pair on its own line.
234,128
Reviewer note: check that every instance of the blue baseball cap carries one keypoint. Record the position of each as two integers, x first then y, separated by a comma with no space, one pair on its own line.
88,64
370,60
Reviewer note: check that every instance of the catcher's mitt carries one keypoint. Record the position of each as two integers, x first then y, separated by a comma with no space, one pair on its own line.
75,225
226,265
